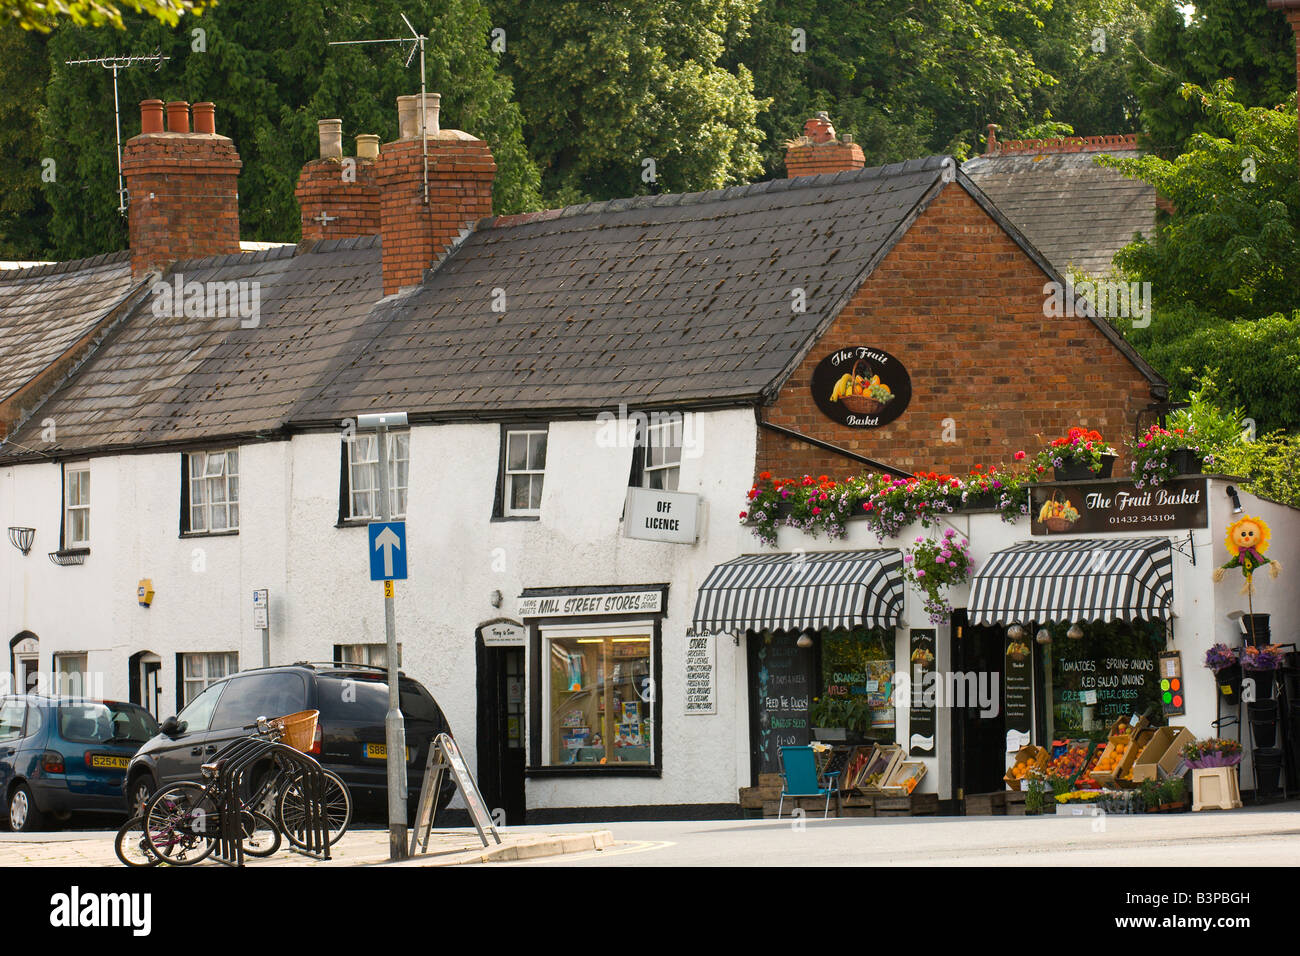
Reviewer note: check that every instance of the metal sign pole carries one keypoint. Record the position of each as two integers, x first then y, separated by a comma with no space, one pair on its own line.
394,727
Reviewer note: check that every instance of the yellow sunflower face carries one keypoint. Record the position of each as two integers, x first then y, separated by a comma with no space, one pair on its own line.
1246,533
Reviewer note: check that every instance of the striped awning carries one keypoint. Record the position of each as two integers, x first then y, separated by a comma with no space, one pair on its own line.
819,589
1045,582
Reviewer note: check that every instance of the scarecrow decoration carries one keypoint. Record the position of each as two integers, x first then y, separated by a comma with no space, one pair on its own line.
1247,540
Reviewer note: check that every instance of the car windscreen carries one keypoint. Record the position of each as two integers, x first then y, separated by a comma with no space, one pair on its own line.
95,723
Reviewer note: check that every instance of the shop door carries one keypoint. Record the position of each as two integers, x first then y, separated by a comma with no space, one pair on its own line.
782,676
501,730
979,740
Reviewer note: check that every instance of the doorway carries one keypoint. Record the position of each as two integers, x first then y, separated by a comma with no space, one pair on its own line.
979,741
145,689
25,650
501,727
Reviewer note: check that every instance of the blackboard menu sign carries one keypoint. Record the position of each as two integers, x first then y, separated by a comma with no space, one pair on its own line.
1018,681
783,691
920,721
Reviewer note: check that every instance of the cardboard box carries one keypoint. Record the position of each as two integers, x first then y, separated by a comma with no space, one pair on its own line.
1160,758
1124,772
1107,777
1036,757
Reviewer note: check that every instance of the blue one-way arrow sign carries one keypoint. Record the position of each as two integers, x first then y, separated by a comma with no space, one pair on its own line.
387,550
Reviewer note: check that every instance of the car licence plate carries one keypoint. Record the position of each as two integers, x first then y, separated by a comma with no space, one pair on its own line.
108,762
380,752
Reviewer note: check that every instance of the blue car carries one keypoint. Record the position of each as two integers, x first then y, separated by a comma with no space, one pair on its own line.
60,755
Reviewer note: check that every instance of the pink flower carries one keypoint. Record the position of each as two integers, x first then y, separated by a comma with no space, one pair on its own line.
1019,456
816,510
920,574
939,559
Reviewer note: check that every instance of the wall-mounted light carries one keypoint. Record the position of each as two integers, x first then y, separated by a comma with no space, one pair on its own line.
1075,632
495,598
22,538
1044,636
1236,501
1016,632
804,640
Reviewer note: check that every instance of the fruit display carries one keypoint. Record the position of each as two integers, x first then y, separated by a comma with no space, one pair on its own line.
1030,763
858,385
1069,762
1085,780
1113,755
857,763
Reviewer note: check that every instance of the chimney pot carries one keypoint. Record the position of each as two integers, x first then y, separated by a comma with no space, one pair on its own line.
408,115
368,146
178,117
151,116
205,118
331,138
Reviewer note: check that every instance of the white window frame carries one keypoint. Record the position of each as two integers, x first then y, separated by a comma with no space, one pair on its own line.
62,676
660,456
399,466
373,654
75,487
508,474
217,470
193,685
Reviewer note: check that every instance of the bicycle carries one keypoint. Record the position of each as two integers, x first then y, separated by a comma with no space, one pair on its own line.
182,822
134,849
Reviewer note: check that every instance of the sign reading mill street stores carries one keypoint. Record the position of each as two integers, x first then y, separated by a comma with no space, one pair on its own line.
1090,507
861,387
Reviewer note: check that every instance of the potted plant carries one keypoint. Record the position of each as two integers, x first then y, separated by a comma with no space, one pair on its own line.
1222,660
829,718
1213,752
1149,790
1078,455
1162,453
1034,794
932,566
1261,663
1175,793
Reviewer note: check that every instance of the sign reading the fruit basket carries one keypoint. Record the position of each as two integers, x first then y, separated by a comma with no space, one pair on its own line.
1100,506
861,387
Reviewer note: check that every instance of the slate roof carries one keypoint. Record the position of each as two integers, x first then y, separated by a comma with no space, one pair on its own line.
46,309
656,300
159,380
1078,214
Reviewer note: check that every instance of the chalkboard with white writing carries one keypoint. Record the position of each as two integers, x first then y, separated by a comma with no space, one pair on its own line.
782,681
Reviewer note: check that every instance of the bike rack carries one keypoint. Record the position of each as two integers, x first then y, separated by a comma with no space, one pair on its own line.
237,761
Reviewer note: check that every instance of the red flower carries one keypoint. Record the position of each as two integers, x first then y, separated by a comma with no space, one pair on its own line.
1020,456
764,475
744,514
824,478
866,506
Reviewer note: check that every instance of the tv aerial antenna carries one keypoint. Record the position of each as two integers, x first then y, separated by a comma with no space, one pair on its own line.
416,39
116,63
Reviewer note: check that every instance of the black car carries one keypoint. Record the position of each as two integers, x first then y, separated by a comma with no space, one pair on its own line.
64,755
352,700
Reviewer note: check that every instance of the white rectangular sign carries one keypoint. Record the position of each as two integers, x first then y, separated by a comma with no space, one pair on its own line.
564,605
652,515
503,634
701,673
261,608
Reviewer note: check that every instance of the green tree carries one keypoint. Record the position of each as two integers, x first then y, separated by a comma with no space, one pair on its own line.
1223,266
270,71
1242,40
44,16
606,86
24,213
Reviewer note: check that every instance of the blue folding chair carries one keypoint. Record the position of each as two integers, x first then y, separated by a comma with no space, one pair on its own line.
799,778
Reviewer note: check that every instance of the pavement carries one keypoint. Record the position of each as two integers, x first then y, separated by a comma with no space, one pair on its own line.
1252,837
356,848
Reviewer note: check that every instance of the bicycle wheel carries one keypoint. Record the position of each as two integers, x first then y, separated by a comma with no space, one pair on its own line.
293,814
261,835
132,846
182,824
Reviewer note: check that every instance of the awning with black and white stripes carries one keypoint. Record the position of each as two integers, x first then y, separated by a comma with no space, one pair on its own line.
819,589
1121,579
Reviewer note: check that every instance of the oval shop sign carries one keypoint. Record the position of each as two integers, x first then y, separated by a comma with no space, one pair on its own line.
861,387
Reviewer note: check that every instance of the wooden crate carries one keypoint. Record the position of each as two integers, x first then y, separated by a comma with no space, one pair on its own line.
769,786
907,805
986,804
1014,803
751,798
813,807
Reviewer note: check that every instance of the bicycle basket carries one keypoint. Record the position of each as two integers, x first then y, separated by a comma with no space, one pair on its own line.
298,730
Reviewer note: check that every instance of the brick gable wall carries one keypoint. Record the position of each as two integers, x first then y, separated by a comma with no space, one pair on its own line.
961,306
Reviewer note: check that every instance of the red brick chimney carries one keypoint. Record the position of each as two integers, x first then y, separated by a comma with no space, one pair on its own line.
1292,10
819,151
417,233
182,187
338,198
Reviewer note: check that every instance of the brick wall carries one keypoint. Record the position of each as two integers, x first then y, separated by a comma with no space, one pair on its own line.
961,306
415,236
184,198
353,206
823,158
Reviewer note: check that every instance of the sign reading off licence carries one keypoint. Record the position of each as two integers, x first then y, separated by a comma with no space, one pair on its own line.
387,550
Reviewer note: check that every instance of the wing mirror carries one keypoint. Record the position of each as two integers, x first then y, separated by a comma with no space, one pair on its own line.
172,727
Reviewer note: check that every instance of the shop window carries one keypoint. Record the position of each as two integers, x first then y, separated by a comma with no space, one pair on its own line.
375,655
210,492
858,682
361,476
522,472
1111,672
76,516
599,694
198,671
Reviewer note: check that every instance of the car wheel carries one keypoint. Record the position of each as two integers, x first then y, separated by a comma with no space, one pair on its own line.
24,817
142,788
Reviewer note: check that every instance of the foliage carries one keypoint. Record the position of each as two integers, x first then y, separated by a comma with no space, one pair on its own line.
1242,39
272,76
1034,794
1267,466
45,16
1079,446
934,566
852,713
606,86
24,213
1151,454
1215,427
